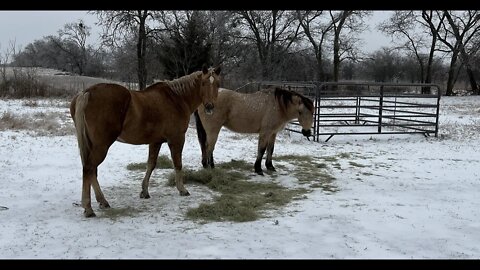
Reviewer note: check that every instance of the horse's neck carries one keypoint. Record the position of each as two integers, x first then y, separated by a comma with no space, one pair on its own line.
287,113
191,97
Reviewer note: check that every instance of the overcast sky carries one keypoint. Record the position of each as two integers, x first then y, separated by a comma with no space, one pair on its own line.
35,25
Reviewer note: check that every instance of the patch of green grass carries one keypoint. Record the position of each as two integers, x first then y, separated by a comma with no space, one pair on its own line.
163,162
244,206
329,159
280,166
240,200
224,208
115,213
321,165
353,163
294,158
315,174
235,165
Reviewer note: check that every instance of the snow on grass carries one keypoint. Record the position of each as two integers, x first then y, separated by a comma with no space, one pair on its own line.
390,196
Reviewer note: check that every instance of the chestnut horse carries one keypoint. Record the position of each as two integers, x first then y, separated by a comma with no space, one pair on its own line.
105,113
264,112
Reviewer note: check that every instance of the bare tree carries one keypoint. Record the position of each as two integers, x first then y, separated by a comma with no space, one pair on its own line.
273,32
344,43
460,35
4,61
186,43
316,29
402,29
408,29
433,25
120,24
465,28
222,31
383,65
72,40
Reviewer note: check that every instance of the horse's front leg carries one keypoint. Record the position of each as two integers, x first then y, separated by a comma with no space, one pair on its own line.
211,141
270,146
262,146
153,150
176,148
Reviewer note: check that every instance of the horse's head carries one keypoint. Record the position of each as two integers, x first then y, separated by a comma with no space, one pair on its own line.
304,107
209,84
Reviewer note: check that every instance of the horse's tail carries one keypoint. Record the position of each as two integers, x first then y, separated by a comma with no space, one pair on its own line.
84,143
201,134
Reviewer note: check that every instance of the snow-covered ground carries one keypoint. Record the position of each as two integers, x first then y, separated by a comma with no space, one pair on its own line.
401,196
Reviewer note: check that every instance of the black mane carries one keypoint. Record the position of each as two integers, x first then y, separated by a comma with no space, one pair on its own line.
285,96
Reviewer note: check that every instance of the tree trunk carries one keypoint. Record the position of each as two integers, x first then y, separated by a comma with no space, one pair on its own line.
141,47
336,57
451,75
319,58
473,82
428,78
471,76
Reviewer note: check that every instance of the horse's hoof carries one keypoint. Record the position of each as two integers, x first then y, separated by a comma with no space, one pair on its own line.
259,172
104,205
144,195
184,193
89,213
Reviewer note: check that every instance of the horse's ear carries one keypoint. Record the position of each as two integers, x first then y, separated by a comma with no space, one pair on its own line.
204,69
218,70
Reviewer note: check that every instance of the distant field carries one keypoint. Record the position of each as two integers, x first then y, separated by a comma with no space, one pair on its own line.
70,83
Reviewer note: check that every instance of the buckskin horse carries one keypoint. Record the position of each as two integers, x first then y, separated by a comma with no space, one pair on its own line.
105,113
265,112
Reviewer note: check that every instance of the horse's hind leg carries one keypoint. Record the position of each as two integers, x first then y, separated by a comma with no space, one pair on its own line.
96,157
176,148
98,192
88,176
262,146
153,150
270,146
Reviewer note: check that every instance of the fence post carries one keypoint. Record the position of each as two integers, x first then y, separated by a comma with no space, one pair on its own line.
438,109
317,112
357,110
380,109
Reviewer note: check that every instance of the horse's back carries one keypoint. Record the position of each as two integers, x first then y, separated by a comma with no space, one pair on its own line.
155,114
105,110
244,112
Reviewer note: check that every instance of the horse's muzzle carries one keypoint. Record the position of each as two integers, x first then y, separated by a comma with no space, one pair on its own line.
209,108
306,132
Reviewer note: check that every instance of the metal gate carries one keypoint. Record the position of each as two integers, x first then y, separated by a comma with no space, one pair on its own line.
360,108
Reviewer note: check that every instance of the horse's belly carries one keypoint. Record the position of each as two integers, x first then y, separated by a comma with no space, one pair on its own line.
139,137
134,140
242,127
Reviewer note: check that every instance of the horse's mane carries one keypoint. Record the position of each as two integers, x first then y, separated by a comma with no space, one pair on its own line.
183,84
284,97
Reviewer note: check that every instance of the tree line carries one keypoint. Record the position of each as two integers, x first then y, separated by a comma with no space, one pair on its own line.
428,46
